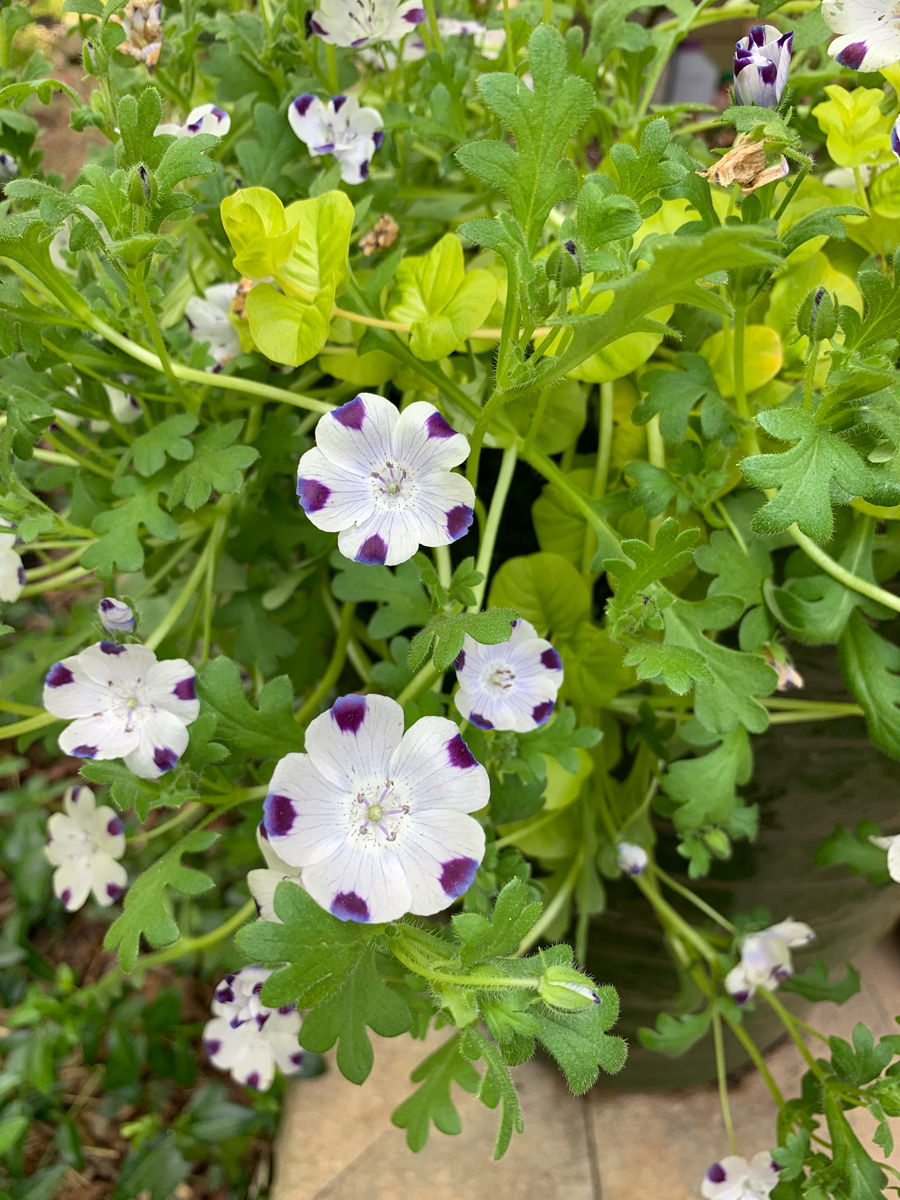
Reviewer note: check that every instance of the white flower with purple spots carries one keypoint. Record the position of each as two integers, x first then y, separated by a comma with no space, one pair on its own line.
340,127
361,22
761,63
83,844
736,1179
892,845
377,819
381,479
869,32
9,168
124,406
116,616
511,686
246,1038
123,703
631,859
209,321
12,573
766,959
206,118
264,881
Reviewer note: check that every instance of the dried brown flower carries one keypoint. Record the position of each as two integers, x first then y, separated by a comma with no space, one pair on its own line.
142,22
383,234
745,164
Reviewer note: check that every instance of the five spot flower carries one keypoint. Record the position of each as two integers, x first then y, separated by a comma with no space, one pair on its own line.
246,1038
340,127
869,32
382,480
206,118
83,844
12,573
377,819
510,686
363,22
766,959
123,704
736,1179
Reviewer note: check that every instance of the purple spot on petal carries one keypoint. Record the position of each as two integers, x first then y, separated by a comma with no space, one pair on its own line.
352,414
253,1080
76,792
460,661
348,713
316,27
84,751
106,604
313,494
23,578
263,832
338,103
113,891
378,138
758,35
286,1008
551,660
457,875
541,712
414,16
479,721
212,1046
115,827
111,648
373,551
460,754
852,56
359,42
740,997
278,814
439,427
347,906
716,1173
458,521
58,675
257,989
327,148
66,896
224,994
768,73
185,690
297,1058
364,170
164,758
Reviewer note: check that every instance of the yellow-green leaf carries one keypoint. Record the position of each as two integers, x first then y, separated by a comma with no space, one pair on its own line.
260,234
323,225
856,130
762,358
288,330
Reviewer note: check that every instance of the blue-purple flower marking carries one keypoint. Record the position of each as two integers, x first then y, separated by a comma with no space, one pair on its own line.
868,33
510,686
457,875
382,480
58,676
347,906
247,1038
348,713
761,63
340,127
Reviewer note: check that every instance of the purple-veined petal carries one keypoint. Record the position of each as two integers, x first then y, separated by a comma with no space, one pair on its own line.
332,497
109,880
437,774
354,885
162,741
351,745
302,812
358,435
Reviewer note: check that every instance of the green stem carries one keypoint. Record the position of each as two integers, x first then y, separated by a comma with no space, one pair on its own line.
189,591
146,835
331,67
787,1019
861,189
335,666
841,574
143,299
66,580
421,682
405,952
433,27
544,465
695,900
812,359
492,526
203,942
28,726
756,1058
721,1076
510,55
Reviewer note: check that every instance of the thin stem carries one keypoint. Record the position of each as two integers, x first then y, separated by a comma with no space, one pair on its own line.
69,578
510,54
143,299
189,590
332,68
861,188
721,1076
756,1058
203,942
433,27
146,835
492,526
787,1019
841,574
421,682
554,908
737,369
28,726
21,710
695,900
335,666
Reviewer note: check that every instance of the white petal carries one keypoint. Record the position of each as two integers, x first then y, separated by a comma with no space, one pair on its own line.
109,881
440,853
12,574
357,885
223,1043
70,692
101,737
65,840
72,882
351,745
332,497
308,118
435,764
255,1066
893,860
208,118
387,537
443,508
125,408
170,686
273,861
116,666
425,441
286,1051
79,803
263,885
302,812
108,832
358,435
739,985
792,933
163,738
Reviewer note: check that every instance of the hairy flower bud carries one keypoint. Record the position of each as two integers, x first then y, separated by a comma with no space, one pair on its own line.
566,989
816,318
116,616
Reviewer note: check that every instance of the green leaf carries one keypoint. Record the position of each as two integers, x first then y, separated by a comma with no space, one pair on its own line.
258,639
674,1036
545,589
645,565
364,1001
439,301
145,912
881,320
513,799
791,1157
703,790
126,789
287,329
216,464
11,1130
738,572
169,437
580,1043
500,934
119,546
557,739
862,1062
432,1102
673,394
496,1087
642,173
820,470
855,852
603,216
871,666
137,119
534,176
447,633
399,593
185,158
320,952
815,985
267,732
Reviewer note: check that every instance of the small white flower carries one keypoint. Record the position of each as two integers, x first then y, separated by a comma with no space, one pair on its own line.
869,32
510,686
246,1038
125,408
375,817
761,63
206,118
766,959
843,177
382,478
12,573
208,318
125,705
83,844
116,616
631,859
263,881
9,168
340,127
365,21
736,1179
892,845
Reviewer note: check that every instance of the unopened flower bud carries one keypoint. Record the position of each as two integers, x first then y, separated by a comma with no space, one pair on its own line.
816,318
142,187
116,616
566,989
761,63
718,843
632,859
94,58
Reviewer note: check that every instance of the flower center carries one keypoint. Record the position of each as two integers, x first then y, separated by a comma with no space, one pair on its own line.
378,816
130,704
502,677
392,485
